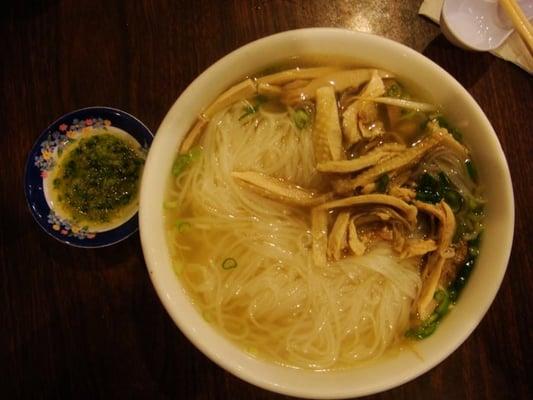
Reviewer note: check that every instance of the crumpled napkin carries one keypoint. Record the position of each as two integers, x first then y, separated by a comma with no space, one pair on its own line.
513,49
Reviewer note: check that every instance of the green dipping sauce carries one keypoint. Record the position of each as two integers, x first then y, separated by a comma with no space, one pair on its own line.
98,179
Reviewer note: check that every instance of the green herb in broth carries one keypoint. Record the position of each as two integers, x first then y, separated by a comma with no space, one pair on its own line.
229,263
469,220
433,190
253,107
182,161
182,226
382,183
471,169
98,178
301,118
395,90
466,269
443,122
428,327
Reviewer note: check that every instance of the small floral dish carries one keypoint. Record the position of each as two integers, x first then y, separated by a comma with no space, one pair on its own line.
61,139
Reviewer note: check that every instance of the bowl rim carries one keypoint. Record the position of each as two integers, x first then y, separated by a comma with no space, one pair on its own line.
295,390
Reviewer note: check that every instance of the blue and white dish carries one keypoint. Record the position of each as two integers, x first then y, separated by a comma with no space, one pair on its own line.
43,158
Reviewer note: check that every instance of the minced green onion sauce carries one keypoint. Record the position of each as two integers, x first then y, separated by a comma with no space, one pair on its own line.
98,178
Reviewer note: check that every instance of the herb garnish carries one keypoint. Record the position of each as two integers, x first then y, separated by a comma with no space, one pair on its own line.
382,183
229,263
184,160
301,118
253,108
432,190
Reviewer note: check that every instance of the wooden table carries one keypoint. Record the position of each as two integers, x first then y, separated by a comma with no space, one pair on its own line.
87,323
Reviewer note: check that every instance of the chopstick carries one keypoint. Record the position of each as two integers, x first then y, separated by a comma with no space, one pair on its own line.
519,20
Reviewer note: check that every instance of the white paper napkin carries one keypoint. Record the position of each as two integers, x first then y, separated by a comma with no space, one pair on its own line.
513,49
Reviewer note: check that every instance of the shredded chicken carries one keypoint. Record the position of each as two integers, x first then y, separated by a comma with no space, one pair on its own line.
297,83
350,128
403,103
355,244
409,210
339,80
452,265
327,137
243,90
406,194
449,141
266,89
417,247
374,156
432,272
444,214
319,231
338,236
193,135
398,238
277,189
409,156
369,188
426,304
368,123
295,74
357,114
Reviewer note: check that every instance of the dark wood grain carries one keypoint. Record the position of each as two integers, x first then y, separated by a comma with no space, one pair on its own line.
87,323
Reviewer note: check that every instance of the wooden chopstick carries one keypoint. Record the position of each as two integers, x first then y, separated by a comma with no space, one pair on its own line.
519,20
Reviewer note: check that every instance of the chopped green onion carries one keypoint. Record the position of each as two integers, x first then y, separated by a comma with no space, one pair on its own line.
454,200
180,164
178,267
170,204
424,124
252,350
442,297
423,331
432,318
184,160
466,269
207,316
248,110
476,241
394,90
407,114
433,190
429,326
182,226
443,123
402,103
471,169
382,183
474,205
428,189
460,280
229,263
253,108
473,251
301,118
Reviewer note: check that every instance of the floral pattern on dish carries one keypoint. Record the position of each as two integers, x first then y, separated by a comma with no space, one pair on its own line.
65,228
51,150
52,147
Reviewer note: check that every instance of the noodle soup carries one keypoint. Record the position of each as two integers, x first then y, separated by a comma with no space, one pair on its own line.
320,216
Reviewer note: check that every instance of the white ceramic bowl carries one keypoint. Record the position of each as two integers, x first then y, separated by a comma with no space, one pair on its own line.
417,71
